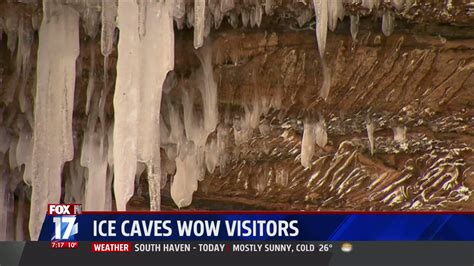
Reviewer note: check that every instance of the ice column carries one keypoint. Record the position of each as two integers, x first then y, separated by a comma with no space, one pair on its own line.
52,133
141,70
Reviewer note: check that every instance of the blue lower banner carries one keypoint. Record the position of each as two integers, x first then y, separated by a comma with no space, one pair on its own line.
224,226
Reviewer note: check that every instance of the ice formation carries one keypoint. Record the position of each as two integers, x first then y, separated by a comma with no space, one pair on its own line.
199,20
321,133
321,10
399,135
388,23
109,14
142,66
52,133
370,134
355,26
308,143
193,140
195,152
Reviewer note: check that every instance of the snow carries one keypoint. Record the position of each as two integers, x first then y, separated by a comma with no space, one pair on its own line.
52,133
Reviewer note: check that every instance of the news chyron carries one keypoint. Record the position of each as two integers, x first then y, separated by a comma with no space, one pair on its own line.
65,226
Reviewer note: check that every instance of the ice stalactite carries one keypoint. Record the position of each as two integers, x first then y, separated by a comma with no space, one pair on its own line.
321,10
227,5
269,7
336,11
399,135
142,66
25,36
321,133
308,143
52,133
199,22
208,90
74,185
91,81
109,14
195,153
370,133
398,4
355,20
94,157
388,23
370,4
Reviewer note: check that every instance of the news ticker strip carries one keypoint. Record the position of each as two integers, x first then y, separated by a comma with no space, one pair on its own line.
67,223
247,253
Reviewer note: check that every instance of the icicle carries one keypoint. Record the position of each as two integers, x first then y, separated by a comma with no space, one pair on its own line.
91,19
399,135
212,155
398,4
199,20
222,135
11,28
307,144
268,7
388,23
109,14
209,90
354,26
321,11
179,9
258,14
138,96
185,181
324,92
226,5
56,73
74,186
12,154
91,81
321,133
22,66
245,17
126,103
94,155
23,152
370,133
369,4
336,11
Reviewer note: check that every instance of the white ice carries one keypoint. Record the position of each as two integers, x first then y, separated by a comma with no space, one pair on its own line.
52,133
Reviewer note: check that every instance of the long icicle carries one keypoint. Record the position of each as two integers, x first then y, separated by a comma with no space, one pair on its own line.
52,136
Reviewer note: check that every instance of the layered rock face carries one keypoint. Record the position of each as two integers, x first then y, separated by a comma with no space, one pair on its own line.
275,105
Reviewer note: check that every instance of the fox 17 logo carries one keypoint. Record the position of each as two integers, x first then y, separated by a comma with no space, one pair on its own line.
64,221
